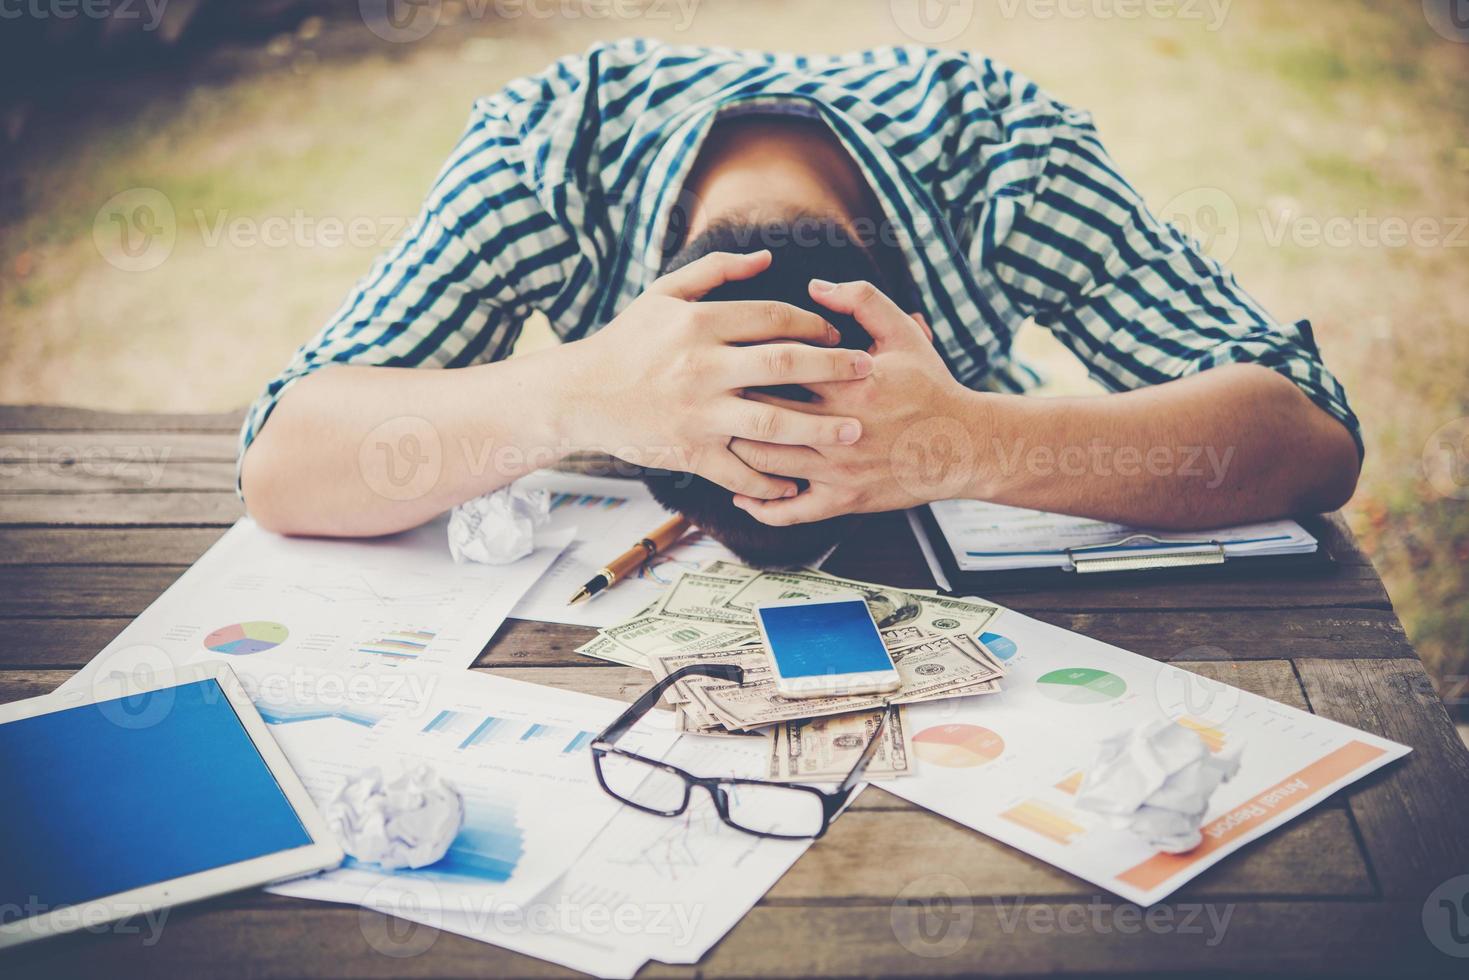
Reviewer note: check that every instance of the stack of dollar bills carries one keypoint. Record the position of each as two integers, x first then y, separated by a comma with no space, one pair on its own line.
708,617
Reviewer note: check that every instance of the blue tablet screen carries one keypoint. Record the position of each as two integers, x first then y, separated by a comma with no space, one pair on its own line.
107,797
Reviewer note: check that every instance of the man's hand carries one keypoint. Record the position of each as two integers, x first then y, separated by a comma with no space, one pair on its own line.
661,385
909,408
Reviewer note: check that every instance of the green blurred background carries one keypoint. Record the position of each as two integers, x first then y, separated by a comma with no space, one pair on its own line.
1320,146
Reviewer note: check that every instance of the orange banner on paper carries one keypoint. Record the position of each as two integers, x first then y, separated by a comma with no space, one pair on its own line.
1280,798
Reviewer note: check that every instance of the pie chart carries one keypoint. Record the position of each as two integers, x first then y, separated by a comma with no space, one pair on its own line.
1081,685
238,639
1001,646
958,746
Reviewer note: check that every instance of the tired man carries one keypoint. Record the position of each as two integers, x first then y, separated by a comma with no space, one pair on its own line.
791,286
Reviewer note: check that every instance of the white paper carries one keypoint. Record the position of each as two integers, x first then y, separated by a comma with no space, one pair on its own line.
404,819
498,527
649,887
985,536
608,516
387,602
1009,764
517,753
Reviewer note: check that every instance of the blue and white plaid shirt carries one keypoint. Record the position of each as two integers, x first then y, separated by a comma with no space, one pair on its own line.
557,199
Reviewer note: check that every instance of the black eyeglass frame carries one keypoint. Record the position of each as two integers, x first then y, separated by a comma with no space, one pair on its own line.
603,745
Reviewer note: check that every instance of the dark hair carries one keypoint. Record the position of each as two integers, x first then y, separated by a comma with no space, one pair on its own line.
803,247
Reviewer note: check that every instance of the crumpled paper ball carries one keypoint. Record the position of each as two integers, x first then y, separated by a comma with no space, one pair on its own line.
1156,780
499,527
406,822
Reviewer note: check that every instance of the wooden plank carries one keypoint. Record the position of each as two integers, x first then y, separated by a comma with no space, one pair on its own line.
105,545
57,449
919,936
40,418
109,476
190,507
1411,815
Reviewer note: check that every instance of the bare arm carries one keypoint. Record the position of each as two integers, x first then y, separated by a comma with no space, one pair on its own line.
373,450
1234,444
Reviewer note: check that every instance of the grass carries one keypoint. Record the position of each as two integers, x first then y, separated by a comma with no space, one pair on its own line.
1321,110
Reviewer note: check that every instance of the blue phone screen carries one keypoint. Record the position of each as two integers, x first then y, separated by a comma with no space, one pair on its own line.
824,638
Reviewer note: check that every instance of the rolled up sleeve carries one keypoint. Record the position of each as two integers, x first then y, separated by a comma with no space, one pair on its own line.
1133,297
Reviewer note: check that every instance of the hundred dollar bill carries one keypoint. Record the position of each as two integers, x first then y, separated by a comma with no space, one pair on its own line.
695,595
729,569
890,607
826,749
941,614
929,671
632,642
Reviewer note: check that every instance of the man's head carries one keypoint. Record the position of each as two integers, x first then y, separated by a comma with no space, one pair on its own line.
803,248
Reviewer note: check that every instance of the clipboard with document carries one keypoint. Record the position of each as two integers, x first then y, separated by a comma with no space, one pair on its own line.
978,545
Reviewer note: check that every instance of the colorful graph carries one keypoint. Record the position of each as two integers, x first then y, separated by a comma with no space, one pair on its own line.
1072,783
1001,646
1213,737
1081,685
507,731
957,746
488,847
1044,820
288,714
559,500
398,646
239,639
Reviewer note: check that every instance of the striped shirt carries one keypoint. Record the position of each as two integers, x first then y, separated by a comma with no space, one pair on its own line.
1006,206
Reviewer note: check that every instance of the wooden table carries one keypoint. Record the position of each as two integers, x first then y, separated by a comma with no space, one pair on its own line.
92,530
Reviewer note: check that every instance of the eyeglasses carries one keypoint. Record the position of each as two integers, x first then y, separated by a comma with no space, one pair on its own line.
789,811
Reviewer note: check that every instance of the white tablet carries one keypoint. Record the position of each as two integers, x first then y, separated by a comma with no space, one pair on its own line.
172,792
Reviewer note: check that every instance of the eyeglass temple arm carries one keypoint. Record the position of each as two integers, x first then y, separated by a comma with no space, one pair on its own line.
855,776
644,704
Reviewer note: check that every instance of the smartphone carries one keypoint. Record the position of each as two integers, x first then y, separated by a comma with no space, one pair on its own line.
825,647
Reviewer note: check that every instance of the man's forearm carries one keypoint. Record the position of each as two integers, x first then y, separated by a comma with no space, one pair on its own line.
1233,444
365,450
